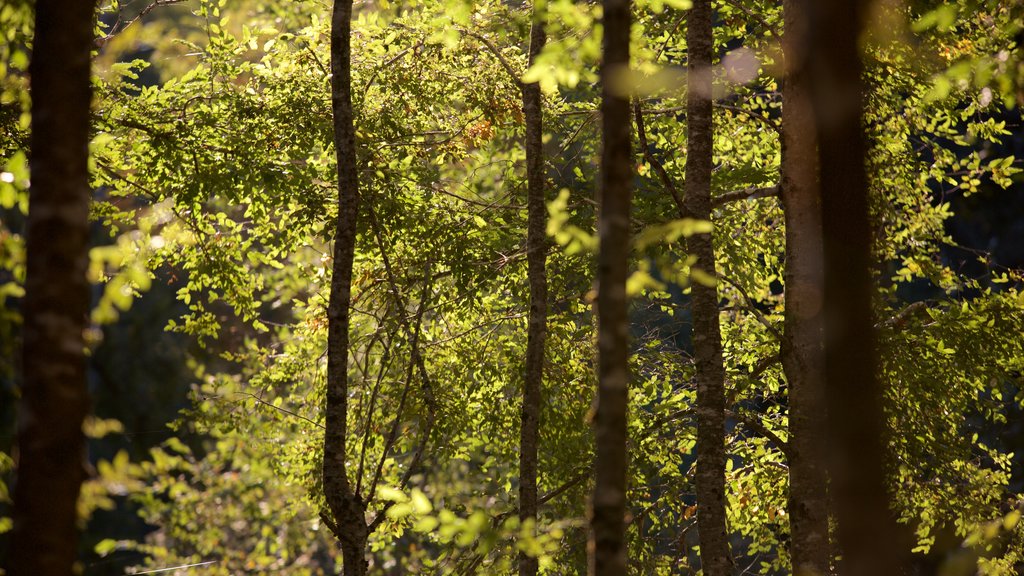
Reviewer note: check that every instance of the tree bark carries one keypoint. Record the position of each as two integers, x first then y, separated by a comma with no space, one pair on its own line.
536,256
608,532
802,359
707,337
55,398
854,400
347,508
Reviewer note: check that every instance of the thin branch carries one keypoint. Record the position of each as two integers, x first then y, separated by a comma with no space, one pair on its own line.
739,110
899,321
384,366
760,428
389,443
416,358
764,364
102,41
764,23
280,409
516,77
749,305
565,487
746,194
638,115
750,113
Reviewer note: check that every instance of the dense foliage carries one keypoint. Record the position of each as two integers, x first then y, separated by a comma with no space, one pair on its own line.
213,167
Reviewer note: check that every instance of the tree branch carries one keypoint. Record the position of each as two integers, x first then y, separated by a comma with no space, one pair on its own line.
516,77
655,164
899,321
746,194
102,41
760,428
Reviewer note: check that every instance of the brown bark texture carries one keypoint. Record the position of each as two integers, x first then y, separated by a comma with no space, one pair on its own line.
802,357
867,532
707,337
55,399
608,506
536,257
347,508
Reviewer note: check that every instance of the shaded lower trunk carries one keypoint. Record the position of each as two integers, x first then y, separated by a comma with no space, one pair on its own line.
536,256
347,518
802,359
353,555
867,531
55,400
707,337
608,555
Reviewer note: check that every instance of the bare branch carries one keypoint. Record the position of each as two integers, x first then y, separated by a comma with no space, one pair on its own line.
649,156
516,77
280,409
899,321
746,194
757,426
760,19
102,41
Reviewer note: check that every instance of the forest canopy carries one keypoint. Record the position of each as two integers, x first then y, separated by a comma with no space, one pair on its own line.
474,287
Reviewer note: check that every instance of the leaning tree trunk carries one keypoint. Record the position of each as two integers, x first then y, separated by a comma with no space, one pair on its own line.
536,256
707,337
347,510
55,399
866,527
802,359
608,508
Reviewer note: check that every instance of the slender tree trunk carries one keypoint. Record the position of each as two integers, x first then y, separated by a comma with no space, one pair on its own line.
707,337
536,256
347,508
55,401
608,508
854,400
802,359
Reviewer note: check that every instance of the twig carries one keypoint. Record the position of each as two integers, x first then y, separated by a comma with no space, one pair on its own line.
760,428
649,156
746,194
749,305
764,23
900,320
285,410
516,77
102,41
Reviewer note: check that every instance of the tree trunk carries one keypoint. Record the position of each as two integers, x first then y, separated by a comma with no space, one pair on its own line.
55,398
707,338
536,256
608,508
347,508
802,359
856,422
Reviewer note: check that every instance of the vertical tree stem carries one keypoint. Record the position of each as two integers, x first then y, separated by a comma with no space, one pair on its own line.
802,359
866,527
608,508
55,400
348,510
536,256
707,337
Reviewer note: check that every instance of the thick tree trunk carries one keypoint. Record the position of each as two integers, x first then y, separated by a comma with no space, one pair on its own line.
55,401
802,350
854,399
347,509
608,508
536,256
707,338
